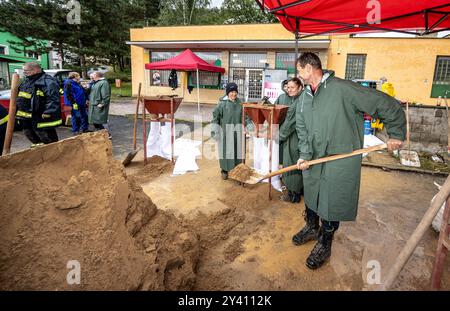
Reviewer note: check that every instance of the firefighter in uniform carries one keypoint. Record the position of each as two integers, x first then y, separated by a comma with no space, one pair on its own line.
38,105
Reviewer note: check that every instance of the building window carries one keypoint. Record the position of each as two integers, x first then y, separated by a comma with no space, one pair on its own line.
34,55
207,80
161,77
248,60
441,80
3,50
4,76
286,61
246,70
356,66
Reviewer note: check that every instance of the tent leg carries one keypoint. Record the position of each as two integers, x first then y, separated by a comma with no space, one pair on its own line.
184,84
198,92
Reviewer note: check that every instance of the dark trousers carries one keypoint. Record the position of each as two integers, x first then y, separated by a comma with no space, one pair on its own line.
37,136
329,226
79,120
2,136
98,127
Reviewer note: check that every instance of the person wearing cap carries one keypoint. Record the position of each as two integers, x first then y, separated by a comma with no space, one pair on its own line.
227,129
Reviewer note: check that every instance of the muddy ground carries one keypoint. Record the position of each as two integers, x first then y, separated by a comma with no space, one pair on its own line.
192,232
245,238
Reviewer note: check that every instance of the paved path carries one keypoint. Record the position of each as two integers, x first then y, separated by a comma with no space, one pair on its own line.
186,111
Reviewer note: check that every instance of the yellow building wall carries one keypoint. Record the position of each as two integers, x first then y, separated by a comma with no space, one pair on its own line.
212,32
408,63
198,33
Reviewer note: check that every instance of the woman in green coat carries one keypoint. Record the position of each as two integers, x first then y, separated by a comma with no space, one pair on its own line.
99,98
289,142
227,129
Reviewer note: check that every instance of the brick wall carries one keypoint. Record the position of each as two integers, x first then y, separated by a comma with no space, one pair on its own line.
429,128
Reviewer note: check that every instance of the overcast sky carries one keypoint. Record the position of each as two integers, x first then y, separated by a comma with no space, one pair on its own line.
216,3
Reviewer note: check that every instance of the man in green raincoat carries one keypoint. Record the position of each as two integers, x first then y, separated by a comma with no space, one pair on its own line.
329,121
227,129
99,98
289,142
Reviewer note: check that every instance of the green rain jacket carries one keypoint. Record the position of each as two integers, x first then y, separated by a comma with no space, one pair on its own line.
100,94
289,143
330,122
227,130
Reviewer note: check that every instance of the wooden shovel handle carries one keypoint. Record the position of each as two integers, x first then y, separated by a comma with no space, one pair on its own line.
15,81
136,117
327,159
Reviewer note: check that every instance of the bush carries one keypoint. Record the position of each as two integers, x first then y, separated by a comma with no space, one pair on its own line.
111,76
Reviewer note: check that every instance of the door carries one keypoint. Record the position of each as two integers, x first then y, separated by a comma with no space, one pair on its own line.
238,77
254,84
249,82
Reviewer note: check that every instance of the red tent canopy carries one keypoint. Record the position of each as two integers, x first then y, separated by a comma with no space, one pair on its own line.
313,17
185,61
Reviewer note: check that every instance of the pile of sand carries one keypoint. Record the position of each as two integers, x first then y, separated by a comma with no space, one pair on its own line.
71,201
155,167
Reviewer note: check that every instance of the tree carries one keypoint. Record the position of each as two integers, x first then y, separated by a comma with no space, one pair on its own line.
101,34
31,20
181,12
244,12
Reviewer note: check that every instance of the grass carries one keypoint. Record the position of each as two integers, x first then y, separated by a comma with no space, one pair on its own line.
427,164
125,90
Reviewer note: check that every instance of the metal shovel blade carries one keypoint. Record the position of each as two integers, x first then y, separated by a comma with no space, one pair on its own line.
130,157
245,174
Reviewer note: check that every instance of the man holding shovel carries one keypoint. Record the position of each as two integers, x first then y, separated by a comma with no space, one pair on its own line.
329,121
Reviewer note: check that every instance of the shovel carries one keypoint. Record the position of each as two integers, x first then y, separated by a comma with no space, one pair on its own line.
408,157
133,153
255,177
12,114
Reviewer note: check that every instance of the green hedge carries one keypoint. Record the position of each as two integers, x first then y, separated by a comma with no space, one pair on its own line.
111,76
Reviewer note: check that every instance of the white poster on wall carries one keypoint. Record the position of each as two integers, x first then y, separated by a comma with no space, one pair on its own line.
272,83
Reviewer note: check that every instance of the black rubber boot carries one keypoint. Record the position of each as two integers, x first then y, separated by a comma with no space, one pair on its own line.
224,175
286,197
296,197
310,231
321,251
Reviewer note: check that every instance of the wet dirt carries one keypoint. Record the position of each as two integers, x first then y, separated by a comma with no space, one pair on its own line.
245,238
196,232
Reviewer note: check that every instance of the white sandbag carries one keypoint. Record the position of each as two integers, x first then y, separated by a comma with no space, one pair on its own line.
186,151
159,140
261,159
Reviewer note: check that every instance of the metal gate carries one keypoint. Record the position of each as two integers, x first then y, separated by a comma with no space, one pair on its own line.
249,82
238,77
254,84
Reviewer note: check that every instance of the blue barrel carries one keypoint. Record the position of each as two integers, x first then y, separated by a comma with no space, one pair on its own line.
367,127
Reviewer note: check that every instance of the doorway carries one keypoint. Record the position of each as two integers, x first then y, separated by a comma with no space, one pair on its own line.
249,81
